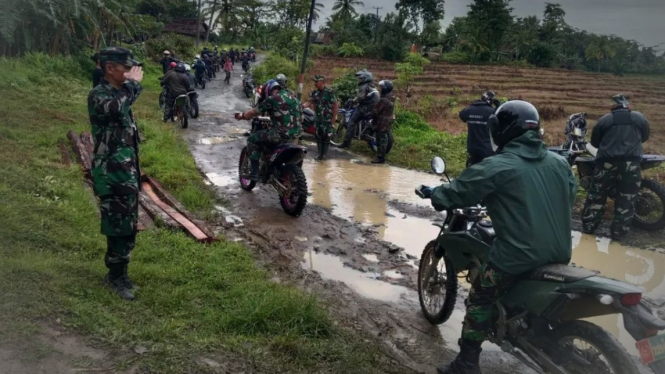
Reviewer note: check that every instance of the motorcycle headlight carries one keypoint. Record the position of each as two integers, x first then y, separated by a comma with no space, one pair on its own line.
577,132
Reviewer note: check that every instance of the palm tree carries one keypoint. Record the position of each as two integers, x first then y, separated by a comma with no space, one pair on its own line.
347,8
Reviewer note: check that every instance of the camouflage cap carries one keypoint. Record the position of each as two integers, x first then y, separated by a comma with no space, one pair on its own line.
318,78
118,54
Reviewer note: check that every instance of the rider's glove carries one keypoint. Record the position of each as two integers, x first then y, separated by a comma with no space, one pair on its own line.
425,192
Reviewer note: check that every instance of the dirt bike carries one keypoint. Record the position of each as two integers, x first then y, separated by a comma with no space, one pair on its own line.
279,167
179,111
252,57
193,105
364,130
248,86
245,67
308,121
539,320
650,203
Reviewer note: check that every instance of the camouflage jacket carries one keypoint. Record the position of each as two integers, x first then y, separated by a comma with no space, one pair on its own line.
115,164
285,111
383,112
324,102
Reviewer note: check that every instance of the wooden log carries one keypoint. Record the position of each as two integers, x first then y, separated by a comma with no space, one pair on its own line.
64,153
80,151
155,212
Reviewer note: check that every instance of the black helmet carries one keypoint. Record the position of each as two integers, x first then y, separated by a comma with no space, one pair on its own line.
180,68
386,87
488,97
364,76
511,120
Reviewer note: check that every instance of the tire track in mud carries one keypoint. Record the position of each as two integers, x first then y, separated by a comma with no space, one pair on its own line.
357,289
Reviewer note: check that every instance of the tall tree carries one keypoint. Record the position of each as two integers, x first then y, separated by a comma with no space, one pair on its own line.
346,9
491,20
426,11
600,49
296,12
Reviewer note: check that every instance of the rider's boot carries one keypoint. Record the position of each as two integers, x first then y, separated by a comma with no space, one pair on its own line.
379,160
325,145
319,148
255,170
466,361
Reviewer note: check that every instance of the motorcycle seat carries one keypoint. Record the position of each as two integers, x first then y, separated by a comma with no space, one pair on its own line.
559,273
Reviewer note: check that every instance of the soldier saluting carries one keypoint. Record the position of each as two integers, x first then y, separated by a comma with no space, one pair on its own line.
115,165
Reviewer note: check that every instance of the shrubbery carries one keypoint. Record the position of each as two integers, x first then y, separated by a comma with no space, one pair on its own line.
181,46
273,65
350,50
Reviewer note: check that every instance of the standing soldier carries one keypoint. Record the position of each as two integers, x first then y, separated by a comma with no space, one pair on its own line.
325,104
476,115
115,165
383,116
618,136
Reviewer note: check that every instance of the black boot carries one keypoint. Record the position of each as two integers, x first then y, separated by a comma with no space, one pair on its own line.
319,148
379,160
128,281
466,361
325,146
255,171
115,279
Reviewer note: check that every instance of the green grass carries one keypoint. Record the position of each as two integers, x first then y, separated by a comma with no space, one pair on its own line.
416,142
196,300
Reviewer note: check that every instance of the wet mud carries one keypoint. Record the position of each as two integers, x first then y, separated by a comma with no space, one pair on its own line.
358,242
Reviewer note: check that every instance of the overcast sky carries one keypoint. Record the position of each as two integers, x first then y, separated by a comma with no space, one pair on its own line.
641,20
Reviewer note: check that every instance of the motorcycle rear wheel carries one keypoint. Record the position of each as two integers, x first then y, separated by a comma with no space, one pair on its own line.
443,289
293,178
194,109
337,137
589,343
244,168
183,116
650,206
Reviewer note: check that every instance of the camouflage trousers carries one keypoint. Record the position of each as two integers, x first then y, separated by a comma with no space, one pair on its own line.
323,130
262,140
624,177
119,216
382,143
483,295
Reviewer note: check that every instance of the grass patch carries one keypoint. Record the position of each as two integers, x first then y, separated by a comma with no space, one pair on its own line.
195,300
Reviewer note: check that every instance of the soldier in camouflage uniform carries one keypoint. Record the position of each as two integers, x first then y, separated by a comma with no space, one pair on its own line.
285,111
115,165
325,104
383,116
618,136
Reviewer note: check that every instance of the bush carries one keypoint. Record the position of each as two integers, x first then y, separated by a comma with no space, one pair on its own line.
273,65
456,58
346,86
181,46
350,50
322,50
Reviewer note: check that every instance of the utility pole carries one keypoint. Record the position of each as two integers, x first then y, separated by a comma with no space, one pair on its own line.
198,26
376,21
301,77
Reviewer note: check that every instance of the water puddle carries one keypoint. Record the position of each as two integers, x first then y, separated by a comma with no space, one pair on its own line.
222,180
216,140
360,192
371,258
394,274
332,268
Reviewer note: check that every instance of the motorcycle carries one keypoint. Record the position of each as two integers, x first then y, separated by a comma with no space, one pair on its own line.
539,320
252,56
193,105
245,66
248,86
280,167
179,111
308,121
650,203
364,131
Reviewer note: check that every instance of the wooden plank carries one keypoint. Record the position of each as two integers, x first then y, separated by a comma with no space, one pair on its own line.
187,224
145,221
155,212
86,140
80,151
165,196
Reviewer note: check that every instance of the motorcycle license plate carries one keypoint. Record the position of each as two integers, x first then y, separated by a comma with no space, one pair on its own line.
652,349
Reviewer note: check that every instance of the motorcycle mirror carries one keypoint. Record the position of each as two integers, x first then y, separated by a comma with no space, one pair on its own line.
541,132
438,165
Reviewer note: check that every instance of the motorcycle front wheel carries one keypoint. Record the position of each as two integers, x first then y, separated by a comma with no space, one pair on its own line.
337,137
650,206
245,169
294,200
437,294
194,109
582,347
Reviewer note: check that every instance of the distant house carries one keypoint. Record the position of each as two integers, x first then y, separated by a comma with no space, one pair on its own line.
186,27
321,38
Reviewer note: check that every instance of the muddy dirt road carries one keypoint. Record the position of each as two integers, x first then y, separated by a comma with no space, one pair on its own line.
357,244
